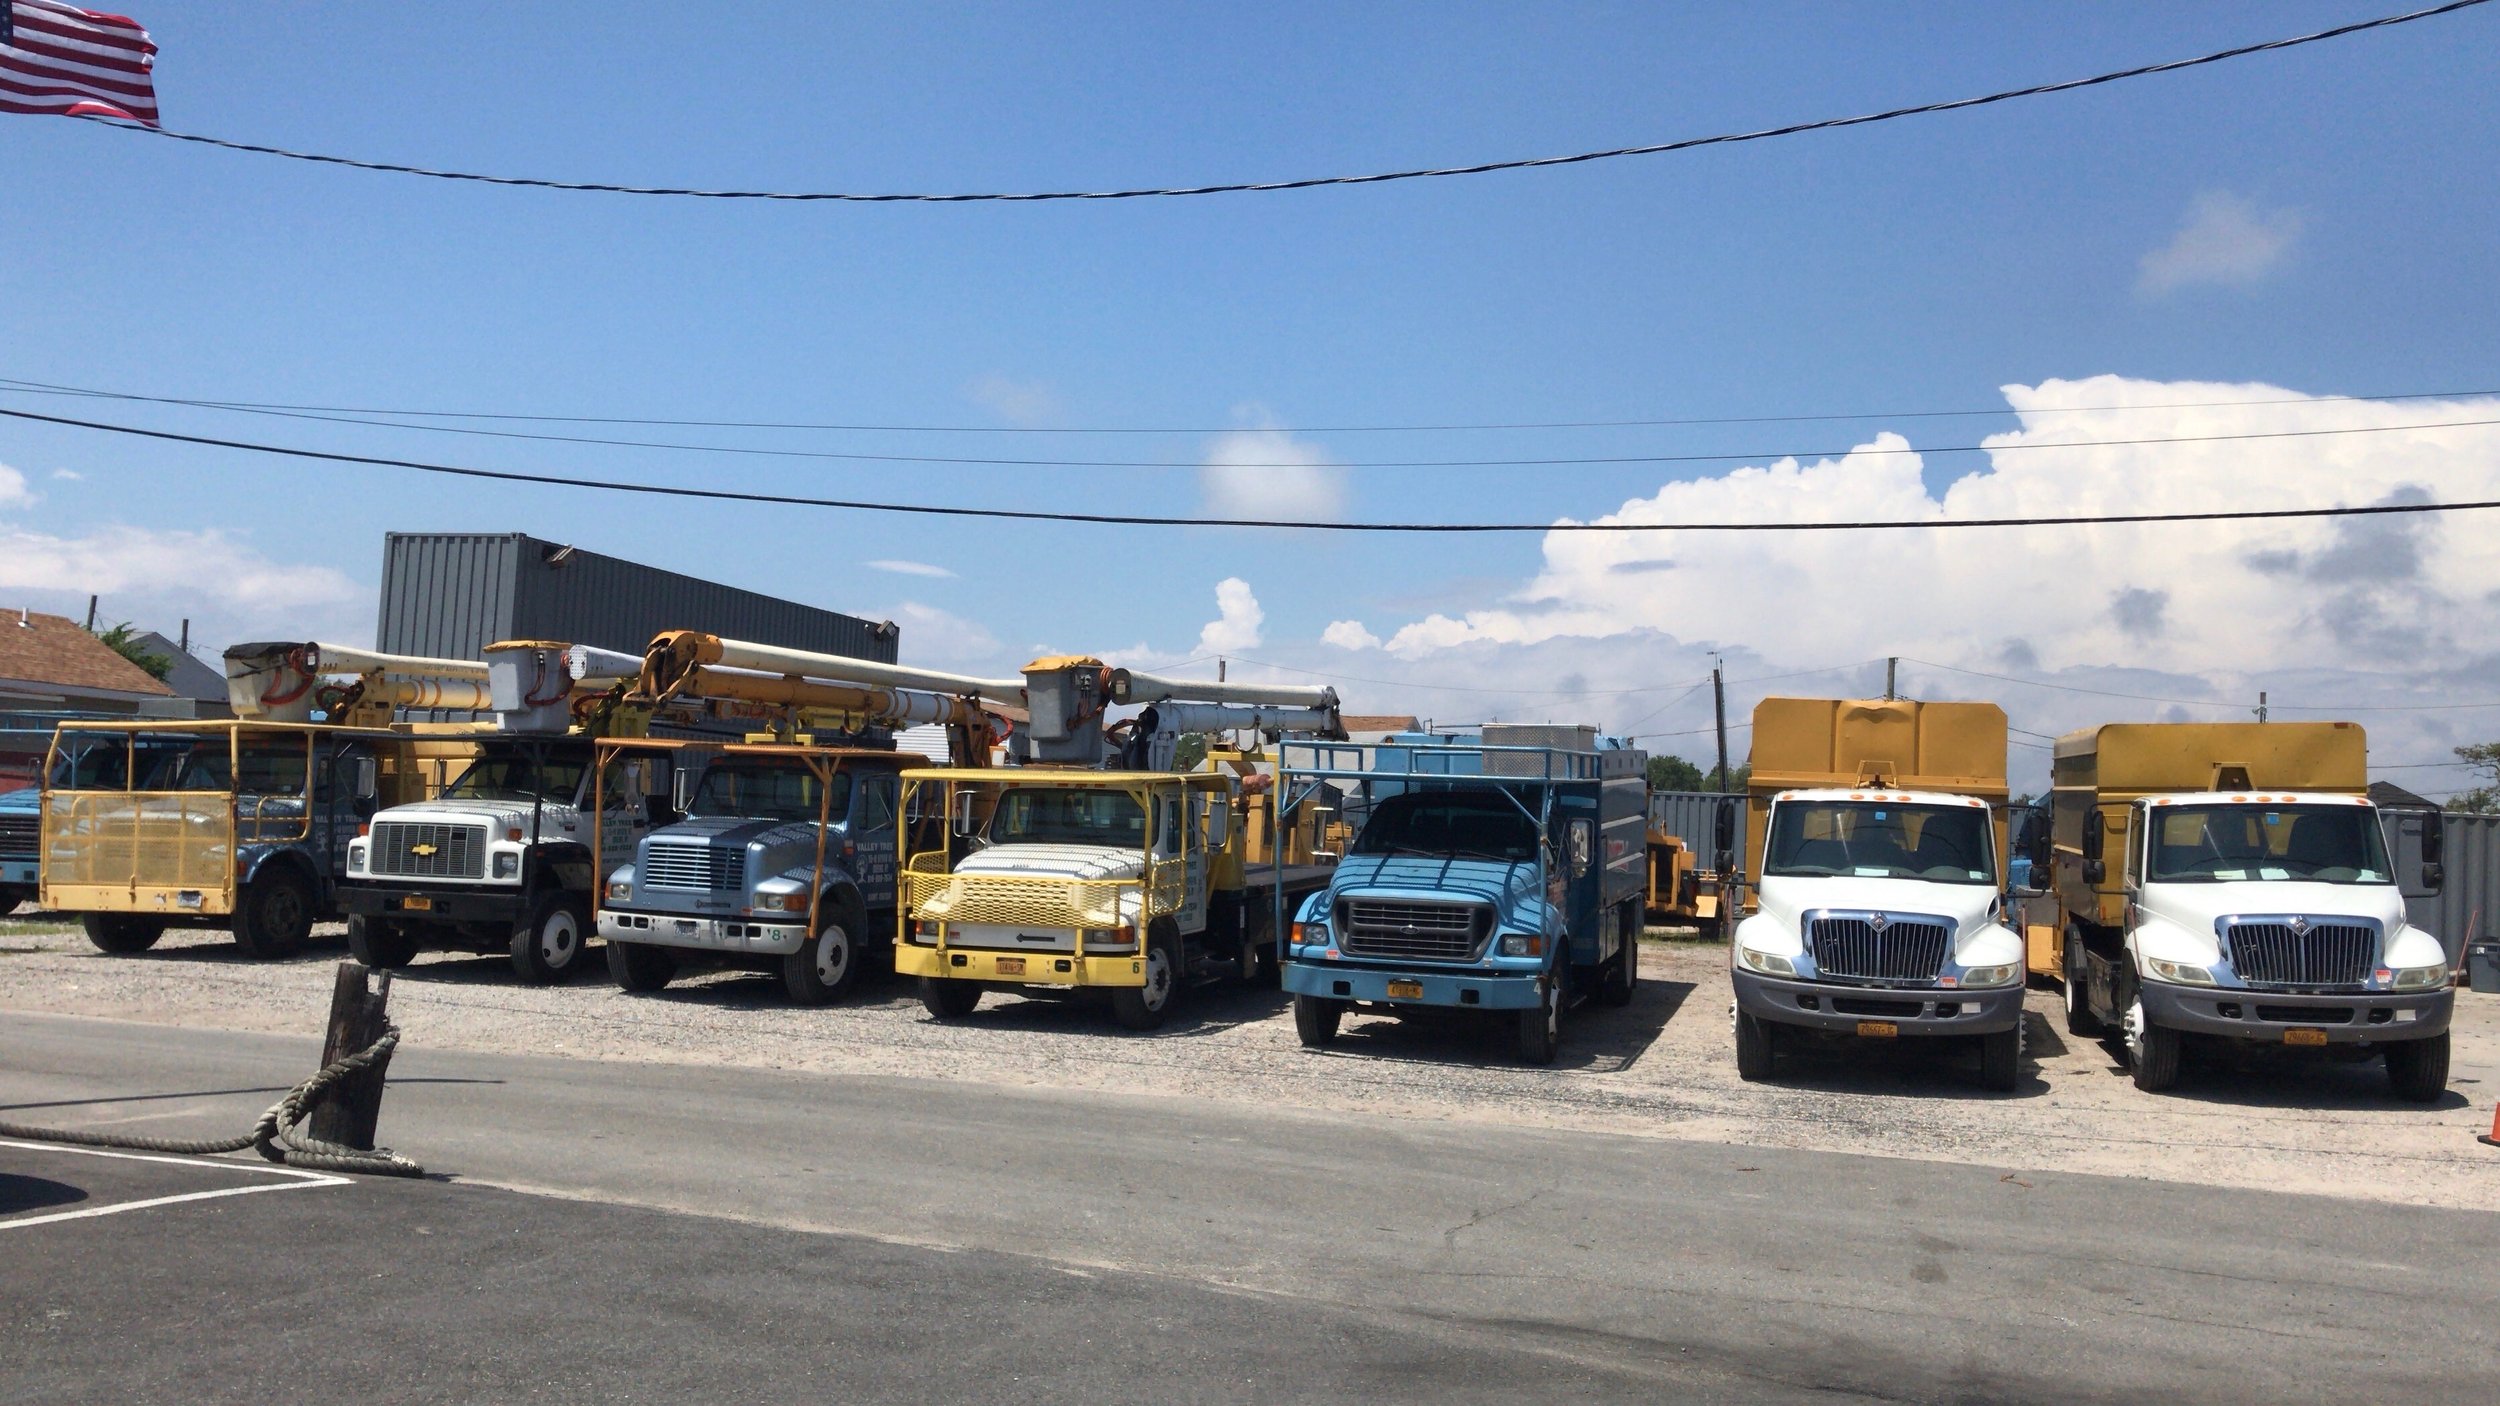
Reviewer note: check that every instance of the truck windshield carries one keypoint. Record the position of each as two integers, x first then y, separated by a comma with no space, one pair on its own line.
515,776
1880,840
2326,844
1451,825
104,765
1066,816
770,791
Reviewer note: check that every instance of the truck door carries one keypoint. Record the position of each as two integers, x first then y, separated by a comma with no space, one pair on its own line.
623,816
1182,826
873,839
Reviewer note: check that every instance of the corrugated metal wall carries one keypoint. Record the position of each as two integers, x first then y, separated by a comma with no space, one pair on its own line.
1691,815
2462,910
451,594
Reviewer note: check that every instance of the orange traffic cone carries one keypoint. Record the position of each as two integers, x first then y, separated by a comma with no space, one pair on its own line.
2492,1138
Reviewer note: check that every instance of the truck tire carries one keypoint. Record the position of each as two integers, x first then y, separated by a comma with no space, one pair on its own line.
1757,1048
2080,1020
381,943
547,943
2152,1051
1623,973
2001,1060
1315,1020
1258,959
826,966
11,899
949,999
274,914
1145,1007
2417,1070
639,966
121,933
1540,1025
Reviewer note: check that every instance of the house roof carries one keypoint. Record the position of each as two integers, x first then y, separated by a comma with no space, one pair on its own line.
191,676
1378,722
55,650
2390,796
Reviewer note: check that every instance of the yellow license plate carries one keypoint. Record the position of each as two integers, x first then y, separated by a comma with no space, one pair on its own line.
2304,1037
1406,990
416,905
1011,966
1878,1029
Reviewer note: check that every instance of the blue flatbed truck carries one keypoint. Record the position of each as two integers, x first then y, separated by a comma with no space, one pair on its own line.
1501,870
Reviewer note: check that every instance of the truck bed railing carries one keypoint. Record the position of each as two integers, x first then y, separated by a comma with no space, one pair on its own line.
1435,761
139,839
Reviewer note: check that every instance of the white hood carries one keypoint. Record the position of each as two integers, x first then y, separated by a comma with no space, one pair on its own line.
497,816
2176,921
1057,861
1978,938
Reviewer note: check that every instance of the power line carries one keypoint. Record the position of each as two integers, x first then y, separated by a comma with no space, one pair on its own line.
2233,705
1311,182
54,388
854,456
1289,524
1467,688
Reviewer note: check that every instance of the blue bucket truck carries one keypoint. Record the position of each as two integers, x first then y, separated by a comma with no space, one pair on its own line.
1500,871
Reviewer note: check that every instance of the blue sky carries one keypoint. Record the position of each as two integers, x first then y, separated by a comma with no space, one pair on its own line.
2328,215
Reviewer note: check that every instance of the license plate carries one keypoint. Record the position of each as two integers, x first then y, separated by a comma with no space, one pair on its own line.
1878,1029
2304,1037
416,905
1406,990
1011,966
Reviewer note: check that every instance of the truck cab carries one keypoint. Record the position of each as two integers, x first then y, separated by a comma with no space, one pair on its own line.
1877,906
785,862
1502,872
503,860
21,869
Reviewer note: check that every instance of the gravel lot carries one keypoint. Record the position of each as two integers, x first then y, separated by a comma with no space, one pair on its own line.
2278,1120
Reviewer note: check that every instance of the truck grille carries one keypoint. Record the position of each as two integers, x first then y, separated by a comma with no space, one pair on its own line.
1879,947
2303,952
698,867
17,836
404,849
1432,932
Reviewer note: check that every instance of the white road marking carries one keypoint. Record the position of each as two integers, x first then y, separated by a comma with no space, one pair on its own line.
296,1179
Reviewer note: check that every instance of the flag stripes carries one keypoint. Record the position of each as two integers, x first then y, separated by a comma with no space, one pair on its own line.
56,58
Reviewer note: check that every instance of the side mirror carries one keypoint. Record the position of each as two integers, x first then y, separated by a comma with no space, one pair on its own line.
2434,876
680,790
2094,831
1219,823
2095,872
2434,839
1723,829
368,778
961,817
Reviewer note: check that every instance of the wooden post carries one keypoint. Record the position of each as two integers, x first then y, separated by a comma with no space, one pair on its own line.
348,1112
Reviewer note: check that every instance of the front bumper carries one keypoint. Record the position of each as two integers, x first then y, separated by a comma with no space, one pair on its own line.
367,899
2375,1017
733,935
1019,968
1921,1010
20,873
1488,990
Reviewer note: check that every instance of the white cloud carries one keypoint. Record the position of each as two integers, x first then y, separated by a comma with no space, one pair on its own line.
931,635
1267,473
2226,239
13,490
911,568
2386,609
227,588
1237,620
1017,402
68,475
1349,634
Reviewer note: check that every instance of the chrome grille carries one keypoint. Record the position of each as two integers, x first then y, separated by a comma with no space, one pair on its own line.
1879,947
448,851
17,836
2303,951
1432,932
697,867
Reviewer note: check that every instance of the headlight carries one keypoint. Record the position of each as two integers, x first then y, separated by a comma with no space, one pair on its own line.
2183,973
781,903
2420,978
1310,934
620,892
1768,963
1522,944
356,855
922,932
2005,975
507,865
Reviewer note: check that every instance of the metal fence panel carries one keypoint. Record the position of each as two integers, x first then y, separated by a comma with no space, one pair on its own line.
2462,911
1691,816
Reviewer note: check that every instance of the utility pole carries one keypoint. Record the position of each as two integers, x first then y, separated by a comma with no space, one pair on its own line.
1892,676
91,614
1718,703
2261,705
1219,671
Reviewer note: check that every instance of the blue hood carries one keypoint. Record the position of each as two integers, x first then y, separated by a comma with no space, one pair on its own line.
1510,888
25,800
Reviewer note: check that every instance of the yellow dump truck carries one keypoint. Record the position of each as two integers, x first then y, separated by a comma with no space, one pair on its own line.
2232,881
1877,881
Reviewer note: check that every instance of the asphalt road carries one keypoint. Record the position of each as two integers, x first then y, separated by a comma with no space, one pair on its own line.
617,1231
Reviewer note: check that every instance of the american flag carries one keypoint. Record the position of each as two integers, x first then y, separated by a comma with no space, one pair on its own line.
58,58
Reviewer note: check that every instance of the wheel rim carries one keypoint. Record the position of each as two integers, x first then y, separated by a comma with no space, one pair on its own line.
1158,987
558,938
286,911
1553,1014
2135,1030
833,954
